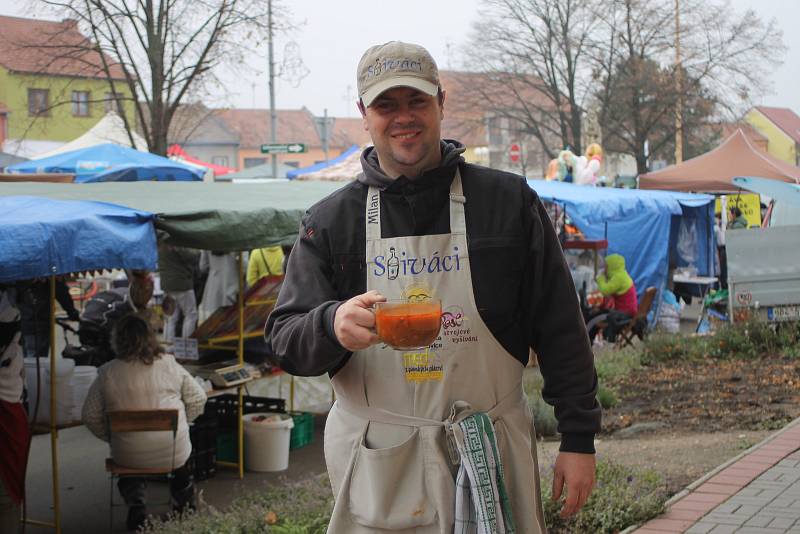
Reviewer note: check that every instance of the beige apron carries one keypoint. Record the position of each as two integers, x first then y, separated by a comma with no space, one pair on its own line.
385,438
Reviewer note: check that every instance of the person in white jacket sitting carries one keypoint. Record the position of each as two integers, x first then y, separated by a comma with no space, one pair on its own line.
141,377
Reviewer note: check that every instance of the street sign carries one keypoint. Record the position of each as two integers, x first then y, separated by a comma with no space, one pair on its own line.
286,148
514,152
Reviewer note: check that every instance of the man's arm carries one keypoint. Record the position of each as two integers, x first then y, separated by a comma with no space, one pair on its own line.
558,336
300,329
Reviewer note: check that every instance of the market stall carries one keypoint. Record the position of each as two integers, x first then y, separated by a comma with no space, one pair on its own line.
713,171
47,238
219,217
110,163
651,229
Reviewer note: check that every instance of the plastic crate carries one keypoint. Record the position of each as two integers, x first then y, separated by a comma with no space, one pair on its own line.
225,407
203,435
303,430
226,446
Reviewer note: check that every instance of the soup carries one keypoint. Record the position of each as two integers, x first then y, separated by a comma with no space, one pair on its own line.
408,325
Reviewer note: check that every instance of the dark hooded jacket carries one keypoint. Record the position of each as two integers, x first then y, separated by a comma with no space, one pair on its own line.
521,282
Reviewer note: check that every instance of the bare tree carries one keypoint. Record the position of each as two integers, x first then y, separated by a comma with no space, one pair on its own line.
724,61
168,50
534,52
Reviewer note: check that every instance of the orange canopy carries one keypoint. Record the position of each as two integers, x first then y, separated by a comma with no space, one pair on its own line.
712,172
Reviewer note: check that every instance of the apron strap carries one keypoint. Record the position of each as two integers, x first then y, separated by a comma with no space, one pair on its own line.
458,223
459,411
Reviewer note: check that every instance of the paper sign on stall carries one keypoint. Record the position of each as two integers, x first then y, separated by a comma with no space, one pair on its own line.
185,348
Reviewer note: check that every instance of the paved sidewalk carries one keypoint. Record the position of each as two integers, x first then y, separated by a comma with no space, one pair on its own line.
758,492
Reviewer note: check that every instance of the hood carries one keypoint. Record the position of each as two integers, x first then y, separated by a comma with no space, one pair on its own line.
615,263
373,175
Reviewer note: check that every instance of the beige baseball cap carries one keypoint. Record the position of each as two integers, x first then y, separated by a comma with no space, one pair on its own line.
396,64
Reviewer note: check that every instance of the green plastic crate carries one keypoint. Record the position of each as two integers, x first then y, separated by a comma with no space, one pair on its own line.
303,431
226,446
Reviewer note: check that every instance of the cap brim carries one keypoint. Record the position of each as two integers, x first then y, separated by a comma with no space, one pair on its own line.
398,81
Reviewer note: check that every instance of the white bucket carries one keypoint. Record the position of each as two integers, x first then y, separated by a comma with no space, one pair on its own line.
82,380
65,368
266,443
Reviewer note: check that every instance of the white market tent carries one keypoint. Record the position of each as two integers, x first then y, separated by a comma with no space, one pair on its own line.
109,129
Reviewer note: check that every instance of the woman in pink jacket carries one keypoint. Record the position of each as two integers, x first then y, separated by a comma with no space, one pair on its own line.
620,304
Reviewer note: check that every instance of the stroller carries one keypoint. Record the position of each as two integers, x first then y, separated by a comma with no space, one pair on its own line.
102,311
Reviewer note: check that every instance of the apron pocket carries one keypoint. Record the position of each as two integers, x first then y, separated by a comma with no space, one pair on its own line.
387,487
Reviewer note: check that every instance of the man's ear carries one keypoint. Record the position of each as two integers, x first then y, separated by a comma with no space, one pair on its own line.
442,95
363,111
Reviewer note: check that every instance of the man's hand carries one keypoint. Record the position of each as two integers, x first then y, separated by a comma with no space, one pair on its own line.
354,322
576,471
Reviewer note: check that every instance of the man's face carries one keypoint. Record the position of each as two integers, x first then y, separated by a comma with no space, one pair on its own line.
405,126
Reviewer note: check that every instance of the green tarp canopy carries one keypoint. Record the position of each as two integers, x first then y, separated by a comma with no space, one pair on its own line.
210,216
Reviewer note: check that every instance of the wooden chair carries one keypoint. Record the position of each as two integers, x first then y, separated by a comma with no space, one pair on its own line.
637,326
139,421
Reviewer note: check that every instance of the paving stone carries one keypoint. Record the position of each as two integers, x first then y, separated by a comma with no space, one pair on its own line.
782,522
701,528
760,530
759,520
725,519
724,529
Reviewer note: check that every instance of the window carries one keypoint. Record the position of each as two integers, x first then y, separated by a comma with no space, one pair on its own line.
220,160
38,102
80,103
253,162
112,102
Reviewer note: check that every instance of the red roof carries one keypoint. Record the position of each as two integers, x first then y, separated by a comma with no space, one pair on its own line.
253,126
785,119
713,171
48,47
349,131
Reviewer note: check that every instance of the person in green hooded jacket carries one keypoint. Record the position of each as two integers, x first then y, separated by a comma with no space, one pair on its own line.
620,303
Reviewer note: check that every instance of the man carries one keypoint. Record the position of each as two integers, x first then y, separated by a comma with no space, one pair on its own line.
479,240
737,219
176,267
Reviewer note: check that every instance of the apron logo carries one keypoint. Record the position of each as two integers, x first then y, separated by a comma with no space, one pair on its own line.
405,265
422,367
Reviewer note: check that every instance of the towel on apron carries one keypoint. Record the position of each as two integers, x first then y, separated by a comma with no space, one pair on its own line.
482,504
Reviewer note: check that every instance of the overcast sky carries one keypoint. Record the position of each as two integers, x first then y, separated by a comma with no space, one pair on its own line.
336,32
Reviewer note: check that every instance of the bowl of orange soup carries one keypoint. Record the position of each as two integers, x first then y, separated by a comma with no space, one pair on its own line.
405,325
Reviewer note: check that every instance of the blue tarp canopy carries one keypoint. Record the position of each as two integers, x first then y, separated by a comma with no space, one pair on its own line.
111,163
651,229
774,189
291,175
40,237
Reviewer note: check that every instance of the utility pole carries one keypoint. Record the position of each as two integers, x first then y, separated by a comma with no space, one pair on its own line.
678,74
325,133
273,111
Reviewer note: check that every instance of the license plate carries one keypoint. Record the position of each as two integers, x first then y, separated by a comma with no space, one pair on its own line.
783,313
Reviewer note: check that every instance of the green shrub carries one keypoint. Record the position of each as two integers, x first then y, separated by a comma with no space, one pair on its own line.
300,508
544,418
606,397
613,363
747,340
622,497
